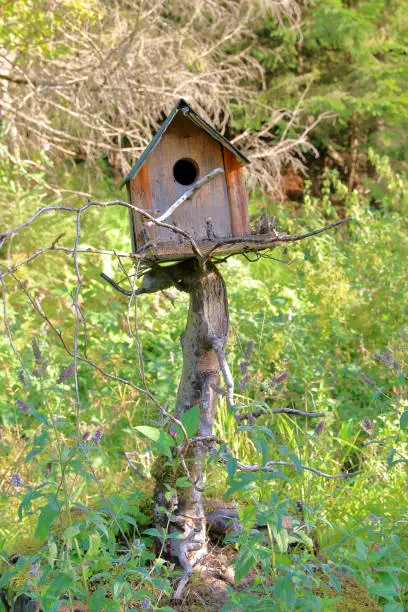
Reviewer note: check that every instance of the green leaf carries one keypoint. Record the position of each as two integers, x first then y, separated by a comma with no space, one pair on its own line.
404,420
384,590
97,600
282,539
296,462
361,549
241,481
156,533
153,433
48,514
243,564
94,544
191,420
335,583
393,606
58,586
162,441
52,551
284,593
183,482
71,532
191,423
390,456
118,586
33,453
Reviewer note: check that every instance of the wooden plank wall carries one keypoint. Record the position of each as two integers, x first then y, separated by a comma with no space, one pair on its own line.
224,198
141,197
185,140
237,194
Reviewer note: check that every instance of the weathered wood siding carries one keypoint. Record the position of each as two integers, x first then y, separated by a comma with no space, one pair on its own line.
141,197
238,199
154,187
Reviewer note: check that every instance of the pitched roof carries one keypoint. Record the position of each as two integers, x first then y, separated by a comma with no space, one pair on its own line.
183,107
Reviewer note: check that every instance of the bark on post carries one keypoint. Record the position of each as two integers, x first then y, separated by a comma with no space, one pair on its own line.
207,326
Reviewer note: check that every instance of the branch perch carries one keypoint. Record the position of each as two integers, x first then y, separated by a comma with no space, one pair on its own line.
248,416
268,466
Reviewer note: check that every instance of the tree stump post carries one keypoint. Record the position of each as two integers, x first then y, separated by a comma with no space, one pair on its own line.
204,337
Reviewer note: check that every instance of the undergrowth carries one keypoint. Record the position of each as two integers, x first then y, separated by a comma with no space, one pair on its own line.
319,326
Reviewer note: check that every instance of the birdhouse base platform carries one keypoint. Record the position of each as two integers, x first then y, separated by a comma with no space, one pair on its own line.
212,248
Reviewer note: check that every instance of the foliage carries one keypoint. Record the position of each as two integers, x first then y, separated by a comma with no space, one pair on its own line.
350,58
321,326
308,318
95,78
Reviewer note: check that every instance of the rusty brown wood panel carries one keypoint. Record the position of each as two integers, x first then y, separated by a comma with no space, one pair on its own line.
184,139
141,197
238,199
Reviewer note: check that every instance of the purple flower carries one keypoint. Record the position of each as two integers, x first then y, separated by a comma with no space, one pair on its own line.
66,373
373,569
16,480
97,437
319,428
386,357
244,367
249,349
34,570
37,352
377,548
279,379
137,545
21,378
22,405
373,518
146,605
86,436
367,380
367,425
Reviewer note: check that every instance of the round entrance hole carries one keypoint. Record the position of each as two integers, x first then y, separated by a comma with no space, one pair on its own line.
185,171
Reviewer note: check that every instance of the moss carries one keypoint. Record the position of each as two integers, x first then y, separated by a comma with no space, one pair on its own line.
162,470
165,472
354,597
146,505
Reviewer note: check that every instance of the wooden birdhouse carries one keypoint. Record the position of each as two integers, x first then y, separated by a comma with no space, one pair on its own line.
184,150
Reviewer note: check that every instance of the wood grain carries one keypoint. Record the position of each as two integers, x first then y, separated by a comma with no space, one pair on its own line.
237,195
141,197
184,139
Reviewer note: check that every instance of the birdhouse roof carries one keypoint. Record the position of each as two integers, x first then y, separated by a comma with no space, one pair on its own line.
183,107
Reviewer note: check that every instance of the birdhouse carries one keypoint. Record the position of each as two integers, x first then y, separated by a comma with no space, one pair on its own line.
185,150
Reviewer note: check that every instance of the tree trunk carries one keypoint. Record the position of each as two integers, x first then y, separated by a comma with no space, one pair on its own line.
207,327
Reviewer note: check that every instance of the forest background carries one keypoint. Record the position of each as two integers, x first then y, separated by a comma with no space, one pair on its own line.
315,93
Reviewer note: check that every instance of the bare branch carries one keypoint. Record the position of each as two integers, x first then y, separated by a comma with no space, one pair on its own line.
218,346
79,211
128,455
254,414
269,466
107,87
116,286
315,232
